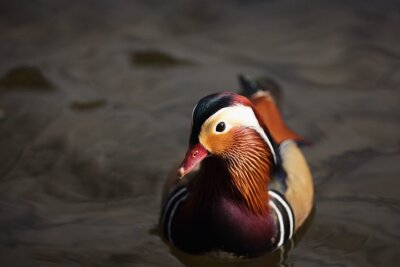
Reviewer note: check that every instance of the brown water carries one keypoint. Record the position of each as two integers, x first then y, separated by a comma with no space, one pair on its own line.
95,104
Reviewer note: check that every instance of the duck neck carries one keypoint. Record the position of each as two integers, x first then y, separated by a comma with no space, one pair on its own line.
242,173
250,166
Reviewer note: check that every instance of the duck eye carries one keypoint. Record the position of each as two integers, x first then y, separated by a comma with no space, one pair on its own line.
220,127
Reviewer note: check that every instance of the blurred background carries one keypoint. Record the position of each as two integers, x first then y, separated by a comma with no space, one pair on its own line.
95,106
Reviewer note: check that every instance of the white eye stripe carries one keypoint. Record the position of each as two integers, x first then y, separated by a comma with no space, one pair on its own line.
239,115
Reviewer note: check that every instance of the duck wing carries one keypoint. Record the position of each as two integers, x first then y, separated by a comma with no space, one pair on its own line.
265,95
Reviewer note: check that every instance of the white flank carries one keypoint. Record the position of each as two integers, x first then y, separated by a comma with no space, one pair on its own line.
288,210
170,202
171,217
280,220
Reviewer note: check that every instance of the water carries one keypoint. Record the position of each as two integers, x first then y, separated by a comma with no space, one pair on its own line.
97,111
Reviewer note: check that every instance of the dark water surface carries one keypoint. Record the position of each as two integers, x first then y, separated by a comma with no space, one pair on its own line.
95,105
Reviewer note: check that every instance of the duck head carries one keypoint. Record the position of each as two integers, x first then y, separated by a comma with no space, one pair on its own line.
226,125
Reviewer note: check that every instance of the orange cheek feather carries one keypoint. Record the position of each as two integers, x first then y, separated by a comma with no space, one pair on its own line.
217,143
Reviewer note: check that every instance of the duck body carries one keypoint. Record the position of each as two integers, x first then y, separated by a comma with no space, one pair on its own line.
237,195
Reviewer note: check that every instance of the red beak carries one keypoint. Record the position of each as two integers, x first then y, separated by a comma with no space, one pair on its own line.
194,155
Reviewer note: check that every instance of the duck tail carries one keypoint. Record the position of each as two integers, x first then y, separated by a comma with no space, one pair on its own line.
250,87
266,95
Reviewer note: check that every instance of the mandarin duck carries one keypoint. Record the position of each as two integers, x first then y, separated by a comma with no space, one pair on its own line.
247,186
